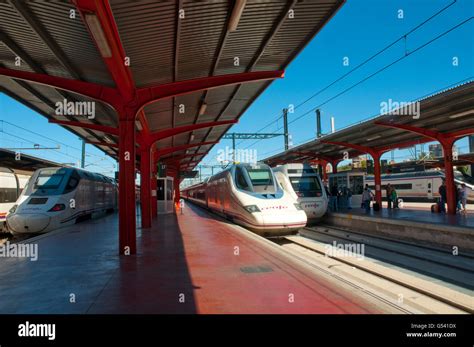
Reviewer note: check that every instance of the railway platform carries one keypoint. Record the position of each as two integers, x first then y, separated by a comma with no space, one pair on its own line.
185,263
453,232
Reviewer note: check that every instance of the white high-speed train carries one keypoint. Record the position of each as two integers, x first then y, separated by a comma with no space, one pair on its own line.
57,197
11,186
303,183
250,195
420,186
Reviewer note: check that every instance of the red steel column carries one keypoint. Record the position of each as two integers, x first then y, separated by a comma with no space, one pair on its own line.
127,212
324,164
177,193
154,187
145,185
449,174
377,177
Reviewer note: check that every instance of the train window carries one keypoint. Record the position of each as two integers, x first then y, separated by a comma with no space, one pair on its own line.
72,183
260,177
8,195
240,180
306,187
49,179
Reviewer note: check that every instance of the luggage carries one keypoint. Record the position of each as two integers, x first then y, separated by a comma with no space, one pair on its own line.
376,206
435,208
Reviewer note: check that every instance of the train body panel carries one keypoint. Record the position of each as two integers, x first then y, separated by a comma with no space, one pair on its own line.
304,184
57,197
250,196
11,186
420,186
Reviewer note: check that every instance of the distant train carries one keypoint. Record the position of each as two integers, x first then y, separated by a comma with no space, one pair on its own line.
250,196
11,186
420,186
57,197
304,184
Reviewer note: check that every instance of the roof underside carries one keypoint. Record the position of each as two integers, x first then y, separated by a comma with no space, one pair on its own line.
25,162
162,48
439,112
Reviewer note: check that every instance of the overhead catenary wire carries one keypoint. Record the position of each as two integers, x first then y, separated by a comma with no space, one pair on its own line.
403,37
374,74
54,150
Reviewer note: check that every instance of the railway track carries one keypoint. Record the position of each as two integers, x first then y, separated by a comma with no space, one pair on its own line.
455,269
404,288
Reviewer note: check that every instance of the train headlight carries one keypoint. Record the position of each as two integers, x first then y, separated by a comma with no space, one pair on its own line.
57,208
252,208
298,207
13,209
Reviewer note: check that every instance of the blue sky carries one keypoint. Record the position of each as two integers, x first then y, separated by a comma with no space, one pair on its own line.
359,29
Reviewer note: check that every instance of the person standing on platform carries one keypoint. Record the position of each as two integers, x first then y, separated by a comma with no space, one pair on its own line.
394,197
464,195
334,196
367,196
458,199
388,193
442,195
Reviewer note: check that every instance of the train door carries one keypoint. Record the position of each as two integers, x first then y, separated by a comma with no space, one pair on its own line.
165,195
429,188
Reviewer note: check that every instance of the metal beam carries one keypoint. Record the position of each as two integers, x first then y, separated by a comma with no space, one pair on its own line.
121,73
19,52
102,128
91,90
164,151
159,135
250,136
106,144
149,95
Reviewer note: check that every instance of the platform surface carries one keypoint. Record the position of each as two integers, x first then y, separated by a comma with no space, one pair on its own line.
185,264
417,215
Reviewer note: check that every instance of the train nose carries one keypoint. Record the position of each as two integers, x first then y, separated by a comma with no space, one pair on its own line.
292,220
28,223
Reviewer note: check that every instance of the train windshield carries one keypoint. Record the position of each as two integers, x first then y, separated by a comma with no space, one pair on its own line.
306,187
261,179
49,179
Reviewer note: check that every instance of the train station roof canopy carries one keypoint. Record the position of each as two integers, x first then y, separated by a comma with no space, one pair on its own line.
24,162
162,42
447,115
